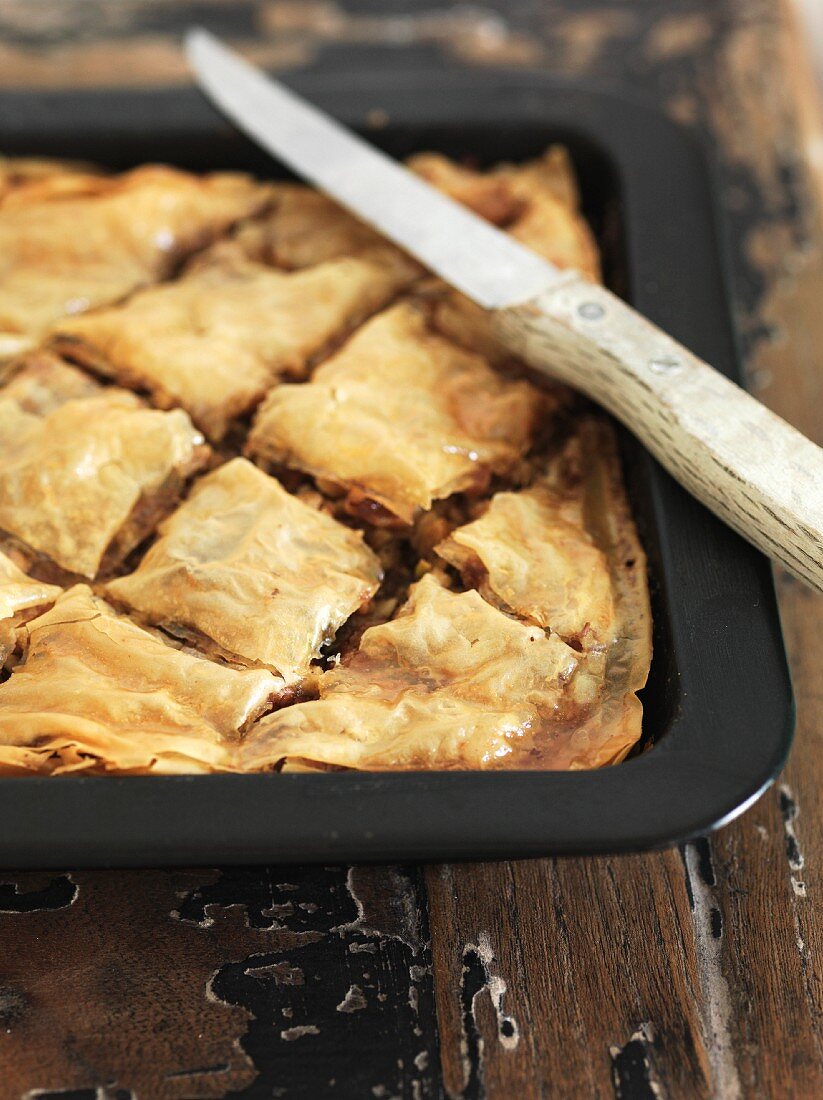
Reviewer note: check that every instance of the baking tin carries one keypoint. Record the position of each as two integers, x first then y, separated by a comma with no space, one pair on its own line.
719,713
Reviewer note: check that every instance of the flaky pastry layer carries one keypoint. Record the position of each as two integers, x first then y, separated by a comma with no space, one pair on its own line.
247,571
214,341
96,692
451,682
86,471
72,244
400,417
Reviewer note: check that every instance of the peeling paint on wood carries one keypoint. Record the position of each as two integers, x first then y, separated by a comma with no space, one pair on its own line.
323,996
25,895
213,964
584,948
82,42
507,1030
789,810
122,967
632,1072
289,1034
717,1006
354,1000
395,912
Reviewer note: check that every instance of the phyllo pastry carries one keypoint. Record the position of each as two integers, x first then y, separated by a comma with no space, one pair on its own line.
69,248
86,471
398,418
451,682
425,560
26,178
96,692
21,598
537,203
248,573
562,553
304,228
214,341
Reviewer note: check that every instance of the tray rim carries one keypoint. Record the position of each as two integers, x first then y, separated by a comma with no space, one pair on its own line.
695,779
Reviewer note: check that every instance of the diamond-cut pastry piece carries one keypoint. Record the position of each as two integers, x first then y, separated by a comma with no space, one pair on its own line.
94,239
97,692
399,417
21,598
450,683
87,471
247,572
530,553
214,341
535,553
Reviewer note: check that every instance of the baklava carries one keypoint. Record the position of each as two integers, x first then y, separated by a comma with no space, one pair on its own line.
400,417
214,341
96,692
74,241
85,470
252,575
273,498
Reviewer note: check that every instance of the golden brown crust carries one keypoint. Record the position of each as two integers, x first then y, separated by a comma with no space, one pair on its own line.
564,554
608,516
536,202
450,683
421,429
26,179
75,703
66,249
399,417
532,553
216,340
250,572
81,463
305,228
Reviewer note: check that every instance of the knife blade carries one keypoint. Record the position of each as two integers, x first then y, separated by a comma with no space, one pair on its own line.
750,467
466,251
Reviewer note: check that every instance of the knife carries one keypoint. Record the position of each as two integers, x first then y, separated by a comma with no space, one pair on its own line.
748,465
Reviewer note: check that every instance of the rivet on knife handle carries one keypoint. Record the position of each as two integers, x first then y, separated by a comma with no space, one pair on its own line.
753,469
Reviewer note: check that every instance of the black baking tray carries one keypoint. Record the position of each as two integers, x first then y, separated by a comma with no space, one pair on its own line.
718,706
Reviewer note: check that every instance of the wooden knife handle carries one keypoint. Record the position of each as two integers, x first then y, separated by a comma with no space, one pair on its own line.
753,469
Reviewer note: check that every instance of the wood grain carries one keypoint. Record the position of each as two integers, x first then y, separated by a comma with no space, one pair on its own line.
586,958
672,975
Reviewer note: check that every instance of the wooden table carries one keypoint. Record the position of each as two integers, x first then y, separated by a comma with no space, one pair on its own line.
687,973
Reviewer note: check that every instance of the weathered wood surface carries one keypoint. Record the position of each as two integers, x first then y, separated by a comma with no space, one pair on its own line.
682,974
166,984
